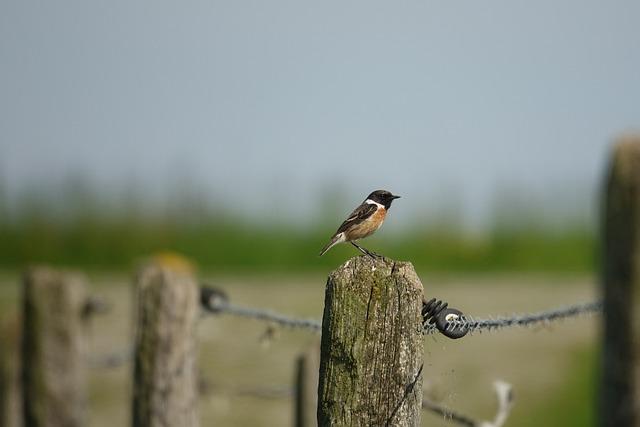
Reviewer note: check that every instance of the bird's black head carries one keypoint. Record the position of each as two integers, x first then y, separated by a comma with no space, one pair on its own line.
383,197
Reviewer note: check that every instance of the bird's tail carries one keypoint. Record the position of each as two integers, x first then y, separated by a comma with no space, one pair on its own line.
338,238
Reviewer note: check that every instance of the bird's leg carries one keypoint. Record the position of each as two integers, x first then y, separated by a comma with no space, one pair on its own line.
365,251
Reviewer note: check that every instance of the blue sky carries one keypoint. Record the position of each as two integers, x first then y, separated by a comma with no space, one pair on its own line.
266,105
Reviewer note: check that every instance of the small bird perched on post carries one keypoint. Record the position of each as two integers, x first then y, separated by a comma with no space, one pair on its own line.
363,221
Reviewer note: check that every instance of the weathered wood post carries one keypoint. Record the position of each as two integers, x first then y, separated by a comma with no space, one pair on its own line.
620,385
53,349
165,373
10,378
371,351
306,387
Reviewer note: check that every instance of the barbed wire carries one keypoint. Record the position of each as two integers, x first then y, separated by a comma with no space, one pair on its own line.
502,390
504,395
269,316
473,324
216,304
207,388
220,305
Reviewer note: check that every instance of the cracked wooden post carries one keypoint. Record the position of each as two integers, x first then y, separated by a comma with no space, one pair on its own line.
53,349
620,383
306,387
165,373
372,345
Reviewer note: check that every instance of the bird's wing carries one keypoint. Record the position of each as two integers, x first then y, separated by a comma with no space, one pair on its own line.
360,213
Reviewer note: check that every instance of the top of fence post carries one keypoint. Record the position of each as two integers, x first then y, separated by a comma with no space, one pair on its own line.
165,373
53,348
371,351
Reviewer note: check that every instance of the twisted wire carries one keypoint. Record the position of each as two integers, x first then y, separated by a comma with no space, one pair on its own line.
268,316
474,324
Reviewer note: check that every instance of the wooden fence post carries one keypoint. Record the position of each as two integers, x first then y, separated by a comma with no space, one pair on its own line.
372,345
306,387
620,383
10,378
53,349
165,374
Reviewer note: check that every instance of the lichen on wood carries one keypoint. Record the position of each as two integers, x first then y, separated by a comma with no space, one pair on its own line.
371,351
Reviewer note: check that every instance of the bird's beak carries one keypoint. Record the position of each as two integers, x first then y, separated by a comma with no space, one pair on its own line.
395,197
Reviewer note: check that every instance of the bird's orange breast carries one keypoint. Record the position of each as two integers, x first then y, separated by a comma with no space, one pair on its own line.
368,226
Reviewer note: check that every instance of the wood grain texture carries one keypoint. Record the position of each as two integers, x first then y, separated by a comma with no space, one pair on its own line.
371,350
165,372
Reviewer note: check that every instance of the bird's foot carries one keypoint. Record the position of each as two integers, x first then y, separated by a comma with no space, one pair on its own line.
367,252
374,255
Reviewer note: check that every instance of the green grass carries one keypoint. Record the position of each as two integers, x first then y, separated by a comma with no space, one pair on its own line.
81,227
574,403
238,247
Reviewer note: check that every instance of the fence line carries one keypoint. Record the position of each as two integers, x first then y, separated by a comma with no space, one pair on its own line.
502,390
259,392
546,317
388,347
268,316
472,323
504,395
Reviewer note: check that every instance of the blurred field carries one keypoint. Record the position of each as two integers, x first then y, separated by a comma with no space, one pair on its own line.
78,225
236,247
550,368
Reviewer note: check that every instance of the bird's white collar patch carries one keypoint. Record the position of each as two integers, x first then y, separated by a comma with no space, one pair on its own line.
371,202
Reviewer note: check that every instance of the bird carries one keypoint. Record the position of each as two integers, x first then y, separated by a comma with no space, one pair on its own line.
363,221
